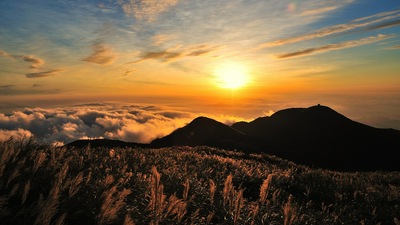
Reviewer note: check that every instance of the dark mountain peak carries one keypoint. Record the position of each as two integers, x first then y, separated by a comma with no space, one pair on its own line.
201,131
204,121
322,112
286,113
317,114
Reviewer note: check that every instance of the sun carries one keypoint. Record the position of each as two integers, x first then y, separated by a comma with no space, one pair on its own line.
232,76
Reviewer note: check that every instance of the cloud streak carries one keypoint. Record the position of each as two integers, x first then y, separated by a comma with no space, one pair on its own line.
394,47
43,74
337,46
169,55
379,21
35,61
318,11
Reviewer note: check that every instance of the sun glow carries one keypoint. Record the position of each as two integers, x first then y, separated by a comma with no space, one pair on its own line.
231,76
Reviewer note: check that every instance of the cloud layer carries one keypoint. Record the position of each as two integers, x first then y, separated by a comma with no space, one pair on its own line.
132,123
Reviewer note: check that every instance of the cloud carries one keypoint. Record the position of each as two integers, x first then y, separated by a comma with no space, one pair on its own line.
134,123
169,55
43,74
5,54
146,9
35,61
201,50
101,54
319,11
36,85
368,25
336,46
15,134
162,55
17,90
394,47
160,39
7,86
384,25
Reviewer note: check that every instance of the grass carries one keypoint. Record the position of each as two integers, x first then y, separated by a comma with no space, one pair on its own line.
40,184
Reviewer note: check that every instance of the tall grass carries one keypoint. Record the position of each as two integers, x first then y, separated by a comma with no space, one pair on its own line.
40,184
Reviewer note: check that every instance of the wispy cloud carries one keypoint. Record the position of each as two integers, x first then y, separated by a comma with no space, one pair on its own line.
101,54
319,10
160,39
378,15
394,47
43,74
177,53
369,25
162,55
146,9
384,25
35,61
336,46
7,86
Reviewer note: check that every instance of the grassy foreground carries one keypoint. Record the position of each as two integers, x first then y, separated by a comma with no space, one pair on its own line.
40,184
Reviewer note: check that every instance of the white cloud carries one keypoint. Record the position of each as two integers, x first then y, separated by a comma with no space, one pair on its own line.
128,123
63,125
15,134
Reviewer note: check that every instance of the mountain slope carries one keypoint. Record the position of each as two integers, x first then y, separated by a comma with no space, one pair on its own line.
322,137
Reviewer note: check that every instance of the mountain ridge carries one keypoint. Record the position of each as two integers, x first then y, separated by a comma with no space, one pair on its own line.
315,136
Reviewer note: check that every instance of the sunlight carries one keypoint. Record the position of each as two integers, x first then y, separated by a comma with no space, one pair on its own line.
231,76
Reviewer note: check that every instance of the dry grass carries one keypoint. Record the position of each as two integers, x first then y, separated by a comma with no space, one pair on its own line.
40,184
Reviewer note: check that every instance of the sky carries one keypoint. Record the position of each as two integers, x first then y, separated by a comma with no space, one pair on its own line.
62,62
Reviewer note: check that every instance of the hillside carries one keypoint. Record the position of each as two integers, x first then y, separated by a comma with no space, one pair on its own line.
40,184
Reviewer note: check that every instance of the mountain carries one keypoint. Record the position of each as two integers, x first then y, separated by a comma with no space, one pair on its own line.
322,137
316,136
207,132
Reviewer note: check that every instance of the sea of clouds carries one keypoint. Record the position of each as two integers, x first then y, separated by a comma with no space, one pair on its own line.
133,123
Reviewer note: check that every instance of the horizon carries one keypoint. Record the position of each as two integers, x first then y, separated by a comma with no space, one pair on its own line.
136,70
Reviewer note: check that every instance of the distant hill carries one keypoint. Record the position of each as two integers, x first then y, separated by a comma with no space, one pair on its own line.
315,136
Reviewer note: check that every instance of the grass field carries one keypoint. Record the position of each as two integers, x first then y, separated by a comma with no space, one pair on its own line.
40,184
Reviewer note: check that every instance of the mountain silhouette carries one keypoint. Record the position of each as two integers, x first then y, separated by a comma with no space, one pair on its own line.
322,137
315,136
207,132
